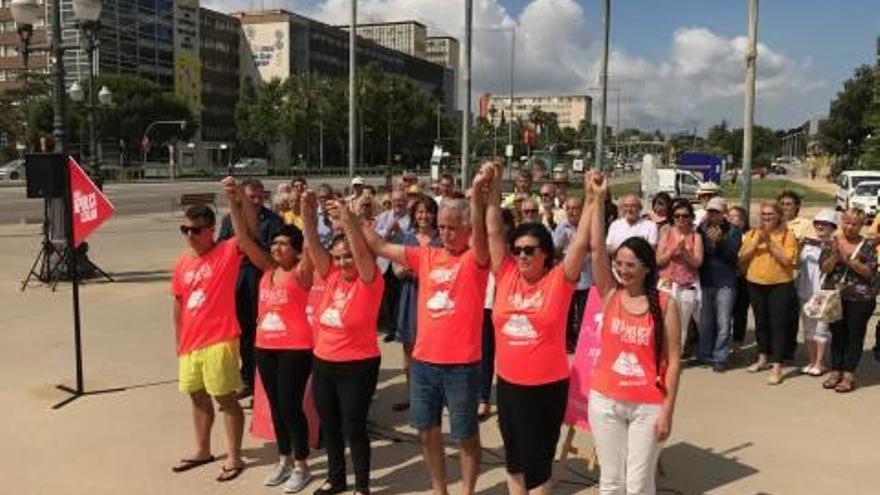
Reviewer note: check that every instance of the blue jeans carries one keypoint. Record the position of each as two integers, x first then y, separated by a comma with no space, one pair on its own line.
454,386
715,315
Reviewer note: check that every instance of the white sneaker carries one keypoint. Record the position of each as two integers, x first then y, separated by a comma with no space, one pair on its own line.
296,482
279,474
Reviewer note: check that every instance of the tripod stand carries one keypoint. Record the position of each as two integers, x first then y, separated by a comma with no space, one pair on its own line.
49,271
54,260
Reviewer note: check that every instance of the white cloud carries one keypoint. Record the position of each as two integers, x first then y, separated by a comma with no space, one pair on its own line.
698,81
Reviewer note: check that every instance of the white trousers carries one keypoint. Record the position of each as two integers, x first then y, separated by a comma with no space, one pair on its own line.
626,445
688,301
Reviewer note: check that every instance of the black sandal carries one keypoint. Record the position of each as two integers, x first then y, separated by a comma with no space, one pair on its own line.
230,473
187,464
328,488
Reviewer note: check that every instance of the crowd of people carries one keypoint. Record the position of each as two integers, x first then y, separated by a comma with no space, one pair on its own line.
485,290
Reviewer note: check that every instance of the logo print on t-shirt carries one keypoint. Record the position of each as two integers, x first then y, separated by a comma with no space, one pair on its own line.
523,303
519,327
196,300
443,275
627,364
440,301
273,323
332,316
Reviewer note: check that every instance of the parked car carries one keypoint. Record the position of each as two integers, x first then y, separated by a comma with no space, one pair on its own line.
778,169
250,166
847,182
864,197
13,170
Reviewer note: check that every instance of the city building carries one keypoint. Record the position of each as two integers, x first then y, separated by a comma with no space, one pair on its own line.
136,37
442,50
404,36
281,43
570,110
220,42
11,64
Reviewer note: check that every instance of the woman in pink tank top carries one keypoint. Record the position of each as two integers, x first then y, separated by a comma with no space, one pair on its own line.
679,256
635,381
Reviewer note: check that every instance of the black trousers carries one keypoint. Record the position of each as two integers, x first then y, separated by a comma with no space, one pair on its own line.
390,303
771,305
247,290
848,335
575,319
530,418
284,374
343,392
740,317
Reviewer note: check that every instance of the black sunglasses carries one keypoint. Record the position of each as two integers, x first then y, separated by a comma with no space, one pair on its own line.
527,250
681,215
186,230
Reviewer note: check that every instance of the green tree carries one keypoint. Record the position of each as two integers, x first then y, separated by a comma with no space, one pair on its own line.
871,146
843,132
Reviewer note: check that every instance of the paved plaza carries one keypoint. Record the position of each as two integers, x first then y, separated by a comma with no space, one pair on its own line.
733,434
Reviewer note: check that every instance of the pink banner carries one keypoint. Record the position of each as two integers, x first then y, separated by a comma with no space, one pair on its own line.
585,356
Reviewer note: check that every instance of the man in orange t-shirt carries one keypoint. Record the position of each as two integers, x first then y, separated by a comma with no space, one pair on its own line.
446,358
207,334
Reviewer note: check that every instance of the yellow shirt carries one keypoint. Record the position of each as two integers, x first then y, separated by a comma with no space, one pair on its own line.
763,268
801,228
291,218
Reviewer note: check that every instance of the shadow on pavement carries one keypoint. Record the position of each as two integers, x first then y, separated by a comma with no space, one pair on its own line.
135,277
691,469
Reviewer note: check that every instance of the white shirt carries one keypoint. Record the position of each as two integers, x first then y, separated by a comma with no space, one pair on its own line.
621,230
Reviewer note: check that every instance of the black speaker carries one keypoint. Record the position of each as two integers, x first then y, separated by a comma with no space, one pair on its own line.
45,175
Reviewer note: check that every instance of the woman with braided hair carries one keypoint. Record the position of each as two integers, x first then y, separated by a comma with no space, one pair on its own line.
635,380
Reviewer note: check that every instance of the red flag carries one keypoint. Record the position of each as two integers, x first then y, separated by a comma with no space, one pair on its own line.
90,207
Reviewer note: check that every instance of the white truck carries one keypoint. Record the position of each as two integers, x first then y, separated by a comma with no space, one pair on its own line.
678,183
847,182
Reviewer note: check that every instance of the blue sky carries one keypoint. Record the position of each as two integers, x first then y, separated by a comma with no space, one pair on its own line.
679,63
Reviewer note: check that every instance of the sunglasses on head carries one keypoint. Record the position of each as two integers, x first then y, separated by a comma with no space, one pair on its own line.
524,250
187,230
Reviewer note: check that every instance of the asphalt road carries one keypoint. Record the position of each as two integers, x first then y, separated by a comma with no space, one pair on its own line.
128,198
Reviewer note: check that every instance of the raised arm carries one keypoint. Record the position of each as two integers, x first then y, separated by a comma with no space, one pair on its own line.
382,248
494,223
602,275
363,257
244,234
311,242
479,237
580,243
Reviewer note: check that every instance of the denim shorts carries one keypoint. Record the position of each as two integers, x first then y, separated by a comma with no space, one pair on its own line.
455,386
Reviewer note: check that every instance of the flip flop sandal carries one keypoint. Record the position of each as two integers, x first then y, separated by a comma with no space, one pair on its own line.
229,474
845,387
832,381
187,464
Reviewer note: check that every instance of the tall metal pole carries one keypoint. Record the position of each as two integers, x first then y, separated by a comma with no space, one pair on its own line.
749,113
352,96
58,76
466,77
603,83
93,146
438,122
510,106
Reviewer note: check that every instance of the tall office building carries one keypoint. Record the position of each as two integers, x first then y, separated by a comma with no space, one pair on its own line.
443,50
136,37
220,42
404,36
11,64
570,110
280,43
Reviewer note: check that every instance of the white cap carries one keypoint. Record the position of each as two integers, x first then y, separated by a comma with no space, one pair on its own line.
357,181
826,216
717,203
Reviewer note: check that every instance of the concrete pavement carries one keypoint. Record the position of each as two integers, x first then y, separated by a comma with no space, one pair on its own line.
733,434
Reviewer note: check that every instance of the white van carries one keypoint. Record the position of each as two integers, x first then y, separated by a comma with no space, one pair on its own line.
847,182
678,183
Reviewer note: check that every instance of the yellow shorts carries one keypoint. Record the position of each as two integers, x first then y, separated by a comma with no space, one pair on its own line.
213,369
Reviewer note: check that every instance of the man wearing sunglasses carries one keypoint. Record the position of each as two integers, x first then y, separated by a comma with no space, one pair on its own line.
207,336
248,284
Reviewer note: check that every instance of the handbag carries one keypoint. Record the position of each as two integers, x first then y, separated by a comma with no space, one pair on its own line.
825,305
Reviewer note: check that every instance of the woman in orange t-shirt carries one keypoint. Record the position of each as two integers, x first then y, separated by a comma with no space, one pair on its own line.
347,357
635,380
283,340
532,293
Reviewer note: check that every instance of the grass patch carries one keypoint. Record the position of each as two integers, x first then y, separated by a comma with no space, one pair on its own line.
770,188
